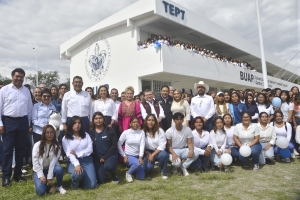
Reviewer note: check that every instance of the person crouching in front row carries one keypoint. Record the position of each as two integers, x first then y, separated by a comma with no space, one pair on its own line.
180,145
45,156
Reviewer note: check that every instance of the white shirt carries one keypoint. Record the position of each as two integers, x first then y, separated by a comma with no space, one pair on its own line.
200,142
284,133
229,134
157,142
263,108
217,140
40,116
117,104
107,109
134,143
76,104
298,134
268,135
15,102
246,136
179,138
286,108
202,106
297,112
144,113
221,109
81,147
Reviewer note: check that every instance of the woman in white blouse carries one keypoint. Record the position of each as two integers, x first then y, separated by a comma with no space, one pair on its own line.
182,106
78,147
263,105
106,106
282,129
134,150
247,133
155,145
201,144
45,154
267,138
222,107
230,144
287,107
218,142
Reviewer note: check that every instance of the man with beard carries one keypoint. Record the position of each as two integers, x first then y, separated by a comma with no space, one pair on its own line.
203,105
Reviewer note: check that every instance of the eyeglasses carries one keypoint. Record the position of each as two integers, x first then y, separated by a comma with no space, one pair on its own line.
50,133
46,96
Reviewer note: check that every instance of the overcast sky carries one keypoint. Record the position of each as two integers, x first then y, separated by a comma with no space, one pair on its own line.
26,24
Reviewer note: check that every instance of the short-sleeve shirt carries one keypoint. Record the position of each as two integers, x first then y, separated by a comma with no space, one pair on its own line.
246,136
179,138
285,108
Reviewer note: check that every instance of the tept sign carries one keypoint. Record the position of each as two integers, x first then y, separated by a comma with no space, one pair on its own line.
173,10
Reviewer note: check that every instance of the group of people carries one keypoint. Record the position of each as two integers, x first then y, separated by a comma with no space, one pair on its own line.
190,133
149,43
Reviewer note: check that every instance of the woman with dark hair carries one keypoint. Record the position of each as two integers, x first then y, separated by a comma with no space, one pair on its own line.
201,144
91,92
295,89
251,107
227,97
105,145
263,105
40,114
218,142
54,97
236,107
155,146
282,129
45,156
296,118
247,133
106,106
230,144
287,107
78,147
134,149
267,138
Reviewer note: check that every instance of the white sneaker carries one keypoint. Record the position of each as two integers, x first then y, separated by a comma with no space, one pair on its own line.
174,170
24,171
164,176
128,177
184,171
61,190
256,167
293,155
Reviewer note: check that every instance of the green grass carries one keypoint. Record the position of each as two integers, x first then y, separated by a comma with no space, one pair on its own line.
279,181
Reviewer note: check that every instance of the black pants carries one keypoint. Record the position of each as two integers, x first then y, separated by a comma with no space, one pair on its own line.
36,137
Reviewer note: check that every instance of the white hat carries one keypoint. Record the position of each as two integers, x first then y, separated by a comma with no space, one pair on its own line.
201,83
220,93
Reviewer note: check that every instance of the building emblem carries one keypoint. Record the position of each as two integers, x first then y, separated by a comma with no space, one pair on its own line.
97,58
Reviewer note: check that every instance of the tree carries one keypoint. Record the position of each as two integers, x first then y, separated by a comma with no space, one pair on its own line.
5,80
48,78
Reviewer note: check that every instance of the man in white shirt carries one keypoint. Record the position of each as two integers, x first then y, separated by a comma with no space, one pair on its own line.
203,105
15,117
114,96
151,106
76,103
180,145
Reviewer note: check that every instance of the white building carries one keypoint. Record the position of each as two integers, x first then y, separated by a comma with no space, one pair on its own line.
107,52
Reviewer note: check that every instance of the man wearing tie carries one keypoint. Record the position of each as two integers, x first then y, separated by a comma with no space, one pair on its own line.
15,117
76,103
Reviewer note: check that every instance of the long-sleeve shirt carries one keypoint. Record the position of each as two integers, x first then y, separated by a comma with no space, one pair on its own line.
246,136
40,116
202,106
134,143
218,139
268,135
229,136
157,142
15,102
184,109
200,142
287,133
76,104
82,148
144,113
107,109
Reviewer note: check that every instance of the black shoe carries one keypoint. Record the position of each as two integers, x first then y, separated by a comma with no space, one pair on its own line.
19,179
6,182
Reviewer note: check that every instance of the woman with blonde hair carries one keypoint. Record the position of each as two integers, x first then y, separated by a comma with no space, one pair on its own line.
222,107
128,109
182,106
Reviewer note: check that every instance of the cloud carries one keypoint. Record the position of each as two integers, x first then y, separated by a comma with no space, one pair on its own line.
47,24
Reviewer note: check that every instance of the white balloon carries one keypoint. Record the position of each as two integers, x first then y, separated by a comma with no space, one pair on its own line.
282,142
245,151
226,159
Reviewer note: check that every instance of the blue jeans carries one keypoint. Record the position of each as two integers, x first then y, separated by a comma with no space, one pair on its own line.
1,147
40,188
162,157
29,144
201,161
209,124
135,167
234,152
215,158
255,151
88,175
290,147
108,166
183,155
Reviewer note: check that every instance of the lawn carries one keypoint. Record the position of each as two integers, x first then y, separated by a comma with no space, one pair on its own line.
279,181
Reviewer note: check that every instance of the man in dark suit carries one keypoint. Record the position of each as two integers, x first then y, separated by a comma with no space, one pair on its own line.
165,100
